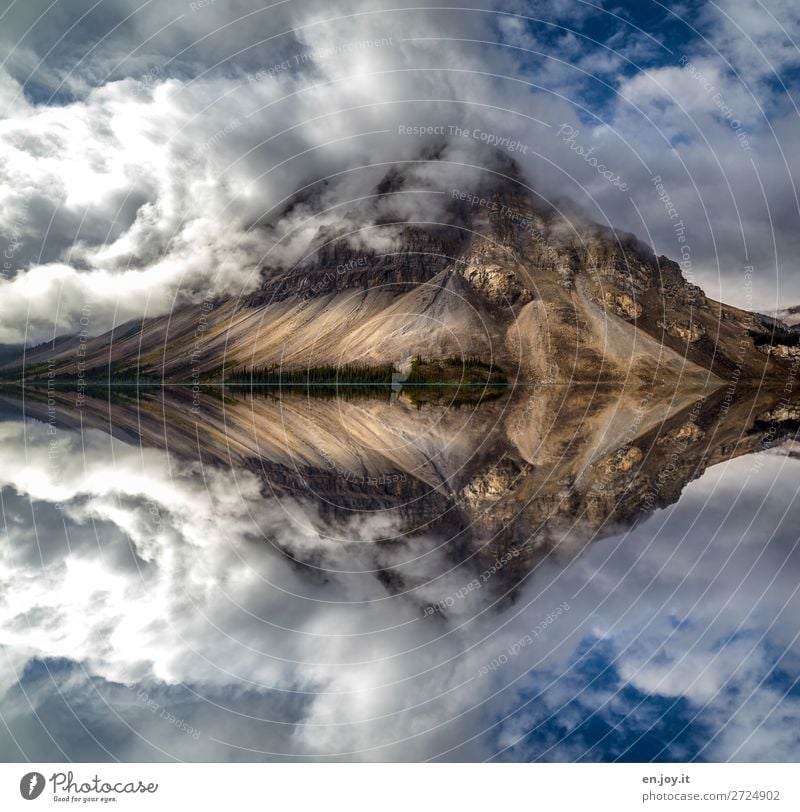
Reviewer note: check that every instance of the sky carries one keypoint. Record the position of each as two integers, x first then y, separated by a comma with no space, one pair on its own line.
148,150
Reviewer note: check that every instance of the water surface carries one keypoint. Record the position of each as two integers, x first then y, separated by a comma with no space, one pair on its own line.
550,575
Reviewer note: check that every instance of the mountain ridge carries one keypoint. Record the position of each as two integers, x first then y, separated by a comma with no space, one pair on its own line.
498,275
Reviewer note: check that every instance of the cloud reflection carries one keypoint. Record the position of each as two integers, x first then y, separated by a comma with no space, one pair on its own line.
164,598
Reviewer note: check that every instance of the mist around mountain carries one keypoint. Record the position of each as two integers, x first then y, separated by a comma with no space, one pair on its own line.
790,316
441,261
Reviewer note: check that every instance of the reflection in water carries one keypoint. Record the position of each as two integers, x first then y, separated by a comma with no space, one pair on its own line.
553,574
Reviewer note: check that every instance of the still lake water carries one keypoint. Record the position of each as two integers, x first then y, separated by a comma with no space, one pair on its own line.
155,607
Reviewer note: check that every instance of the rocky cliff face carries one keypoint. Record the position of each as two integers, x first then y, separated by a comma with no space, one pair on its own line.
339,259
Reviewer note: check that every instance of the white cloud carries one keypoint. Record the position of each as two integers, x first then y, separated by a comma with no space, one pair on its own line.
163,184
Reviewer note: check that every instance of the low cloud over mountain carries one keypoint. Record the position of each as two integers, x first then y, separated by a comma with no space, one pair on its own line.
149,153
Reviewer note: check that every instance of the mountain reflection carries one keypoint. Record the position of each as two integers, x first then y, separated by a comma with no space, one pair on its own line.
220,575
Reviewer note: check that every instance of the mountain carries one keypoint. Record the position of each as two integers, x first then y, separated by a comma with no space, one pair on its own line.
493,273
10,353
618,381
